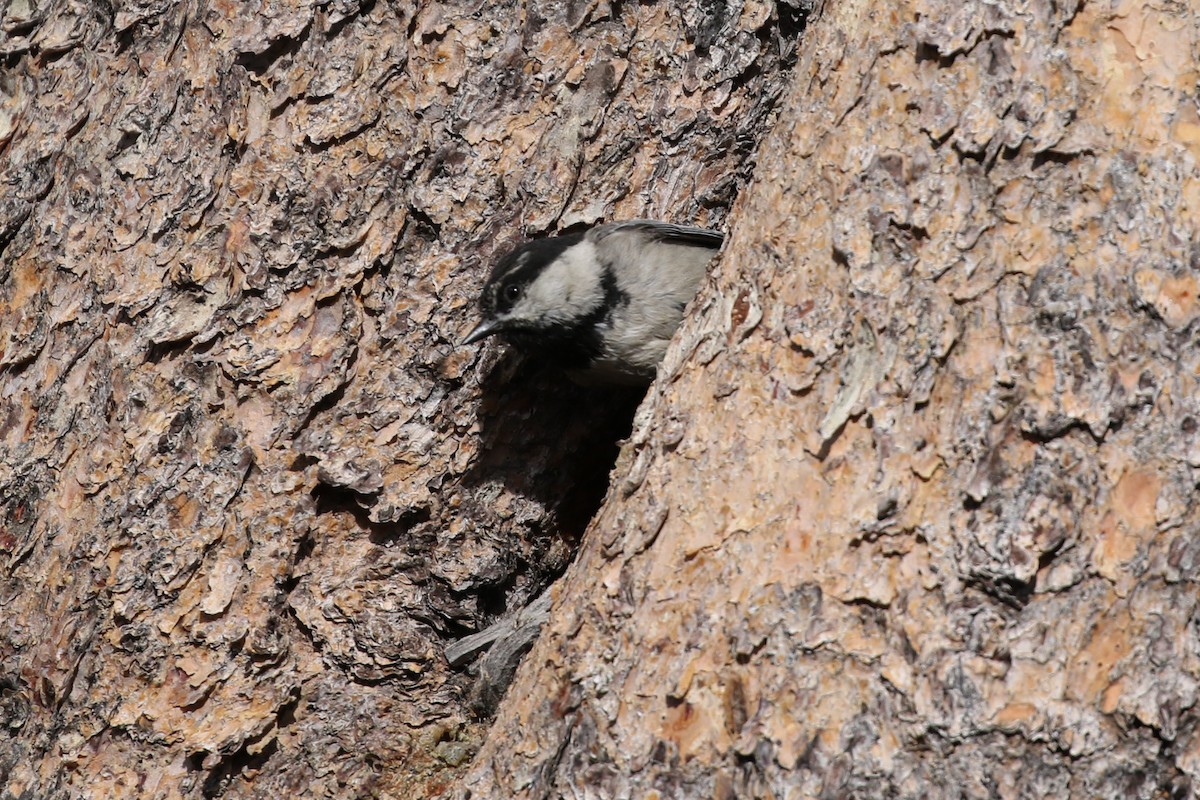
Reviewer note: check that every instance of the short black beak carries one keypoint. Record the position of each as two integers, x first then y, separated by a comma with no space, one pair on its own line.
482,331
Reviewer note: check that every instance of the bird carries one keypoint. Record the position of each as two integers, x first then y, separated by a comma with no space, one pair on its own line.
601,305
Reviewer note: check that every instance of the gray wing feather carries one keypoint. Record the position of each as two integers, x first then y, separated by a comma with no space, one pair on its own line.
663,232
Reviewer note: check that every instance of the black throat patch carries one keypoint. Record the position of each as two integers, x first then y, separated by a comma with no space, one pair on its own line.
577,345
572,345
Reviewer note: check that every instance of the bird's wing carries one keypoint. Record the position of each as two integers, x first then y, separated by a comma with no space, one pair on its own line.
663,232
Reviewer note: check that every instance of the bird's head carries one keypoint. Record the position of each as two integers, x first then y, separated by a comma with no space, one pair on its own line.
542,292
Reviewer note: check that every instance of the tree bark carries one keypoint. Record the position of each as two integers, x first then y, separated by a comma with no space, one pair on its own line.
911,512
250,489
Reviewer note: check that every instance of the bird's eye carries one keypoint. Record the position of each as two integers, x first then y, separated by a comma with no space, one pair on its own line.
512,291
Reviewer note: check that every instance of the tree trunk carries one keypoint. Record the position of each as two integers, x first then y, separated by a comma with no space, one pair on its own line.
912,509
250,489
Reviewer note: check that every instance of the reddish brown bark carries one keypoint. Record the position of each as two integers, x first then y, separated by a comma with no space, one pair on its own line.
912,514
250,489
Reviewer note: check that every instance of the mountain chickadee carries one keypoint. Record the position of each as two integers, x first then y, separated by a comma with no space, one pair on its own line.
602,304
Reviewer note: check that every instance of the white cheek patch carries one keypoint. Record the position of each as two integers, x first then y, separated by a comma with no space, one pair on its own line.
566,290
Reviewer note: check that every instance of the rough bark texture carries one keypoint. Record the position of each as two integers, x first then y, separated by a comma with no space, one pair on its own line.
249,489
912,512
